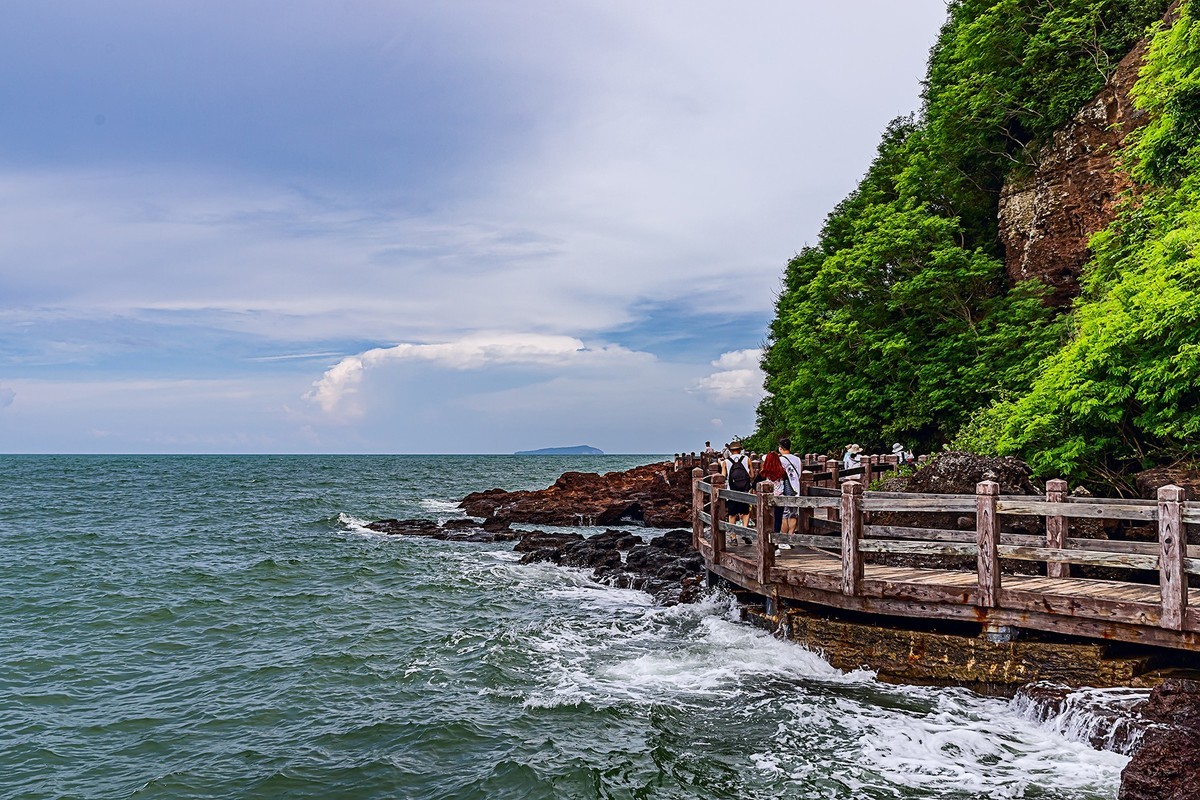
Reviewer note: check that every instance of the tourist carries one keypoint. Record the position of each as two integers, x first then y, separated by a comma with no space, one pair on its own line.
792,467
772,472
739,476
905,456
852,458
708,450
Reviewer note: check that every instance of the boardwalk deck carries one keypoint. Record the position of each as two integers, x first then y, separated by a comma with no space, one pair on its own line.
843,571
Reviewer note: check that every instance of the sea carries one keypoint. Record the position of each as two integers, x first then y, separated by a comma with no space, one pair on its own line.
227,627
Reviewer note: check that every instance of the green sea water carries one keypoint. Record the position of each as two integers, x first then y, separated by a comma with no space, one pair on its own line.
224,627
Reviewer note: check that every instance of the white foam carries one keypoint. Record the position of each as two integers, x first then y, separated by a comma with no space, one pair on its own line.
441,506
353,523
1092,715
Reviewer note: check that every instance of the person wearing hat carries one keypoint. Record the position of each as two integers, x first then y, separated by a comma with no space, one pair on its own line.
853,457
905,456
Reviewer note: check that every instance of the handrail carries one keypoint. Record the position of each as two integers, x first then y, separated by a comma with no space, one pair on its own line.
1092,607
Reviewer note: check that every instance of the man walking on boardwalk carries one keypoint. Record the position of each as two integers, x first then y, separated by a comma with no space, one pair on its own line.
792,467
739,474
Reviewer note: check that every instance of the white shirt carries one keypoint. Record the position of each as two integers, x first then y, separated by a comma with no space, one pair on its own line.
793,466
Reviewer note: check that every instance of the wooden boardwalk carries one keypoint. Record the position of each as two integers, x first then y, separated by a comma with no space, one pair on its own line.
837,558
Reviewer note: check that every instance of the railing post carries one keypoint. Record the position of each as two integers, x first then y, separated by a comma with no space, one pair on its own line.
1056,528
718,516
852,565
1172,542
764,520
804,515
697,507
987,537
834,467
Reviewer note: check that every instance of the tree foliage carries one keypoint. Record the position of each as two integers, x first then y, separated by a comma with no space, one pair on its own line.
1124,392
899,323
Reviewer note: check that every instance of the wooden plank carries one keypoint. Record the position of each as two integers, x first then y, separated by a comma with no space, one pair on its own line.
967,498
1191,513
706,517
986,537
1130,510
852,522
738,530
808,502
930,503
1172,539
1094,608
918,548
704,487
1064,556
741,497
824,491
809,540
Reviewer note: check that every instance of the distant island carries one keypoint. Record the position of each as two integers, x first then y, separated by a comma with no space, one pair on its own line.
577,450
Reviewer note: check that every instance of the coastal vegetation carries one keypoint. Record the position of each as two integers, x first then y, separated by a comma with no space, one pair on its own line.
902,322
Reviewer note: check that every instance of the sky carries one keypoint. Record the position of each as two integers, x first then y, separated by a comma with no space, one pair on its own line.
381,226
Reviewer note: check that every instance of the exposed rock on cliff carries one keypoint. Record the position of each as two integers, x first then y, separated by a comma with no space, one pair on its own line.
1047,217
1167,765
654,495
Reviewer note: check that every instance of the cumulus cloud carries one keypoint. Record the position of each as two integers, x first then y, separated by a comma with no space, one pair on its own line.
6,397
738,378
333,390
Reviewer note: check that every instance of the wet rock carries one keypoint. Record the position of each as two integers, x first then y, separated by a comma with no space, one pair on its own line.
666,567
456,530
1167,764
1107,719
654,495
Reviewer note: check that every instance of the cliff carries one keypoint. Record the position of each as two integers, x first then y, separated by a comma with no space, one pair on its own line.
1047,216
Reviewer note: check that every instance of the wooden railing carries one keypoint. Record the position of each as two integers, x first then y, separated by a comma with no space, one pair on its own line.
837,557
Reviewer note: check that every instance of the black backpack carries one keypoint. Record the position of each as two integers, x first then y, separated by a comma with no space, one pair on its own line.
739,476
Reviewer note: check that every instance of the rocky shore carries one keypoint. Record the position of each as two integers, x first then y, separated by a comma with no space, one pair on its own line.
665,566
1162,733
654,495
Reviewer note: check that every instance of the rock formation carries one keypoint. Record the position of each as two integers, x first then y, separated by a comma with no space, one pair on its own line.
1048,216
654,495
1167,764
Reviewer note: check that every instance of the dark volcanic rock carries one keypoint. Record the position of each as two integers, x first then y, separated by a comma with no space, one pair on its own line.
1167,765
666,567
654,495
1149,482
455,530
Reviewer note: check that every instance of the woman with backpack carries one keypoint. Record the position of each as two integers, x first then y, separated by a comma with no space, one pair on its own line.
739,476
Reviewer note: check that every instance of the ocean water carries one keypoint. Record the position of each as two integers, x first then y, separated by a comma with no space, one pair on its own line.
224,627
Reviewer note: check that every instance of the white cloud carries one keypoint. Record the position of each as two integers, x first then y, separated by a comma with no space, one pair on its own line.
333,390
738,378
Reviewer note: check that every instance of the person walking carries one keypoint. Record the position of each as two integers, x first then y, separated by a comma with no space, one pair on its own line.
772,472
739,476
852,459
792,467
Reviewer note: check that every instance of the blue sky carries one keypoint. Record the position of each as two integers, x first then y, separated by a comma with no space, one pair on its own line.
418,227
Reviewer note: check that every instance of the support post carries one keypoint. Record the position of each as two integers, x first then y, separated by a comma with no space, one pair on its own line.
1056,528
852,565
987,538
718,516
834,467
804,515
1172,542
764,520
697,507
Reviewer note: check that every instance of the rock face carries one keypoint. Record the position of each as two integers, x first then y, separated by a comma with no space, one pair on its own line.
1149,481
1167,765
666,567
950,657
654,495
1047,218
